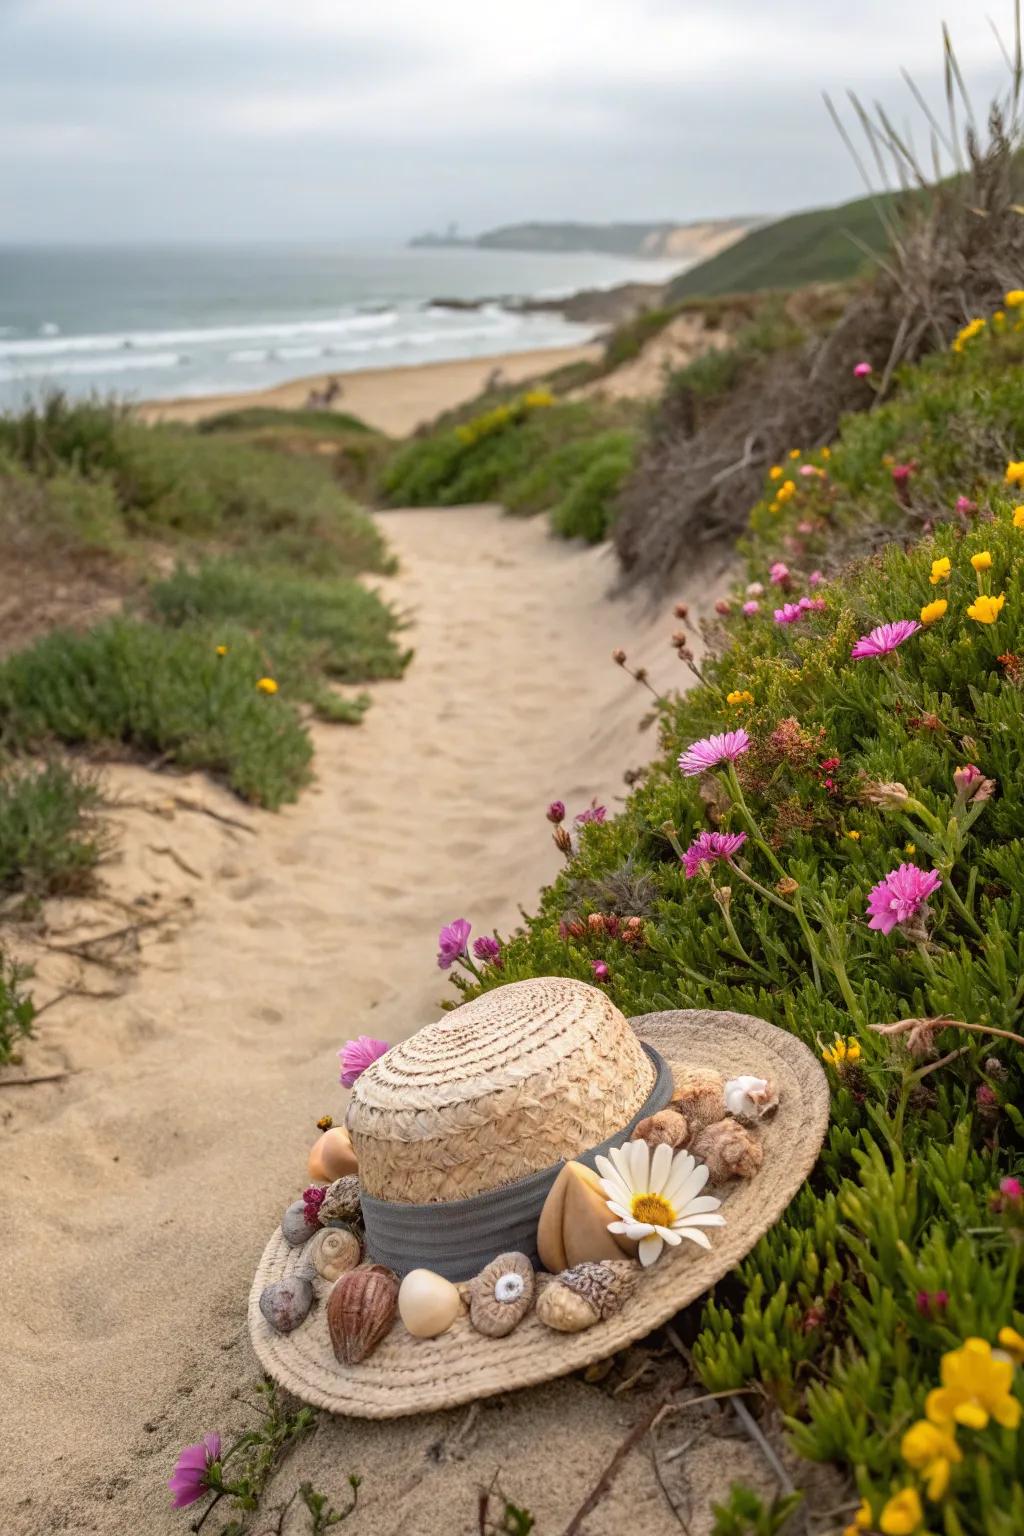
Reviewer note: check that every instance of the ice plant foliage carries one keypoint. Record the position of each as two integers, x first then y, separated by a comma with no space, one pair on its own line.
657,1197
191,1476
708,847
453,942
712,750
886,638
901,897
358,1054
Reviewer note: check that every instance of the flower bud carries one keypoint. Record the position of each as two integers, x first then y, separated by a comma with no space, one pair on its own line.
681,610
723,606
600,970
755,589
619,656
787,886
889,797
556,812
563,842
595,922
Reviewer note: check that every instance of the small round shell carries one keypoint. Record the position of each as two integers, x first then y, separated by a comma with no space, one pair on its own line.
698,1094
294,1226
667,1126
730,1150
285,1303
586,1294
501,1295
334,1251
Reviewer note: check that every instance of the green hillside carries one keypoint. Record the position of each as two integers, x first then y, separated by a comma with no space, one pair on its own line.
818,246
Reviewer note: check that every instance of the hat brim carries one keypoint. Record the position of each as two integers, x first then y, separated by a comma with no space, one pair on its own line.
407,1375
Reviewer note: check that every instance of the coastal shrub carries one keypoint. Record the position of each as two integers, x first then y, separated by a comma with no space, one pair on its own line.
17,1011
588,509
253,418
839,851
194,698
49,839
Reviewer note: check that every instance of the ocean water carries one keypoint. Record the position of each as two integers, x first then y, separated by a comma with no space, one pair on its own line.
151,323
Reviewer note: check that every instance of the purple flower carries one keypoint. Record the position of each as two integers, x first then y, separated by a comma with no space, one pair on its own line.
884,639
965,506
815,579
751,608
600,970
789,613
592,813
356,1055
190,1478
862,370
1012,1189
712,751
453,942
812,604
778,575
901,896
486,948
556,812
707,847
312,1200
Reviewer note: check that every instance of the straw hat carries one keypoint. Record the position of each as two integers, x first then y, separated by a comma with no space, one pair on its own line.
500,1089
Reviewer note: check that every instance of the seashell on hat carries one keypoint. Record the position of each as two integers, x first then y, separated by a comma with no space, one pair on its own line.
515,1081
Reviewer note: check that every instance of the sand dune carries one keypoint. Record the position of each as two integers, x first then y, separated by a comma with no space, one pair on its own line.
138,1191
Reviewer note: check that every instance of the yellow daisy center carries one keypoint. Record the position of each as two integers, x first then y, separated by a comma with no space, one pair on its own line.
652,1209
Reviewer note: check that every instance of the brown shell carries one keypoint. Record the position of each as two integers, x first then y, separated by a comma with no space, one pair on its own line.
489,1313
698,1094
667,1126
730,1150
586,1294
360,1311
341,1202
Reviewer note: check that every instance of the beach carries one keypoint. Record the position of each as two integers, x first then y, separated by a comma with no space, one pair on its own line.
393,400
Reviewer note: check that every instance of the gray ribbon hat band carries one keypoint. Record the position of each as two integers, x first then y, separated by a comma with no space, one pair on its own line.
456,1238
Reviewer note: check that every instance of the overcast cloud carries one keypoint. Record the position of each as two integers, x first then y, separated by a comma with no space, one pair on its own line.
328,119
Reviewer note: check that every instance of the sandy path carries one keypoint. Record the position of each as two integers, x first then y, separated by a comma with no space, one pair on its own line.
136,1196
394,400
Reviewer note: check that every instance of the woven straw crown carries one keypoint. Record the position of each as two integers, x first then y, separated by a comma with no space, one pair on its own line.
518,1079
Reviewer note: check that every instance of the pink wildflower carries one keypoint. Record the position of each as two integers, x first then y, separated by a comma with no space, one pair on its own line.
965,506
901,897
901,473
789,613
356,1055
600,970
312,1200
452,942
486,948
191,1476
755,589
713,750
1012,1189
862,370
723,606
751,608
592,813
812,604
884,639
556,812
815,579
931,1303
809,469
778,574
708,847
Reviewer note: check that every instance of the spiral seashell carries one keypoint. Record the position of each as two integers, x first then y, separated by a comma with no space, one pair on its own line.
698,1094
360,1311
285,1303
730,1150
586,1294
334,1251
667,1126
501,1295
341,1202
294,1226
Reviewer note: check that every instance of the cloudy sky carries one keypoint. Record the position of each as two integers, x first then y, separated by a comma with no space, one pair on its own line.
371,119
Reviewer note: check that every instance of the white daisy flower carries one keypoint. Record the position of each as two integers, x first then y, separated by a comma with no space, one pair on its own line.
657,1198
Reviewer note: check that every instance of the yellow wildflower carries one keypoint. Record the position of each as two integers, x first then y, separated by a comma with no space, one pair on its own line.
931,1451
267,685
932,611
910,848
774,507
999,318
902,1515
986,609
842,1053
1013,1343
794,453
739,696
976,1386
535,399
982,561
968,333
222,650
940,570
1015,298
861,1520
826,453
776,472
1018,517
1015,472
854,837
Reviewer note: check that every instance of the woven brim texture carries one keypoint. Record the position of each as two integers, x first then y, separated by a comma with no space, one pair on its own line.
406,1375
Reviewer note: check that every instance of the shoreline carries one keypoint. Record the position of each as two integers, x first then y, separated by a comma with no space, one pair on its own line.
394,400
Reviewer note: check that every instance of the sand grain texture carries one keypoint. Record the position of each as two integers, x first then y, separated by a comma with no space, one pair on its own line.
137,1193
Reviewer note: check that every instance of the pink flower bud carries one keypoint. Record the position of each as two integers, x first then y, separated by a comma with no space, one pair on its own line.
755,589
1012,1189
556,812
723,606
862,370
815,579
751,608
779,574
600,970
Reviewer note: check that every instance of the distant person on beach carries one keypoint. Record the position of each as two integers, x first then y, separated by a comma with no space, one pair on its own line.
323,399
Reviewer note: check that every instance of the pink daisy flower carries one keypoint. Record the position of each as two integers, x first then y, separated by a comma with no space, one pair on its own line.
708,847
812,604
815,579
789,613
778,574
190,1478
452,942
901,896
884,639
592,813
752,607
356,1055
712,751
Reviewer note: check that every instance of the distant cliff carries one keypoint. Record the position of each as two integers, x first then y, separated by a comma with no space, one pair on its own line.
688,242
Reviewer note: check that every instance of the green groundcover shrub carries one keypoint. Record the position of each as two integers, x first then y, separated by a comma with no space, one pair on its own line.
17,1010
50,842
841,849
